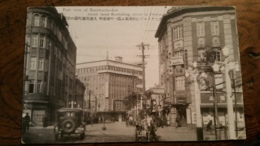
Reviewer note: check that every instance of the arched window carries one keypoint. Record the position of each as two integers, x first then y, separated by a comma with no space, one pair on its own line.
36,20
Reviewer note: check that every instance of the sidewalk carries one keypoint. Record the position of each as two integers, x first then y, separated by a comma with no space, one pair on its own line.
40,127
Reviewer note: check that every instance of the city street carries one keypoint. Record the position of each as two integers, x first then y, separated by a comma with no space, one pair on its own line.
115,132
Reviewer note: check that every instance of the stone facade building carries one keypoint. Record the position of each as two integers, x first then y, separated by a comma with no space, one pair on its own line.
185,35
50,61
108,82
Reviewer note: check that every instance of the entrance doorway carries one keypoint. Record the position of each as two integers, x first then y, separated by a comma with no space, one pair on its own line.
37,116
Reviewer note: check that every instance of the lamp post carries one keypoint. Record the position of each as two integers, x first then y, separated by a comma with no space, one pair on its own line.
216,69
194,73
228,67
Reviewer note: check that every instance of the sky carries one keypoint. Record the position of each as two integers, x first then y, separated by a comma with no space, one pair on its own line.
126,28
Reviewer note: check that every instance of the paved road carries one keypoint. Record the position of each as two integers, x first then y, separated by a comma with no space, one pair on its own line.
115,132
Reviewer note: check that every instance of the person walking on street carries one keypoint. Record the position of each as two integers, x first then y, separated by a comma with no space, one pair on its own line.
178,122
209,125
44,122
27,121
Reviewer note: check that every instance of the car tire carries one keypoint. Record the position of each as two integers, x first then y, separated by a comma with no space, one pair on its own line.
56,132
82,136
71,126
56,136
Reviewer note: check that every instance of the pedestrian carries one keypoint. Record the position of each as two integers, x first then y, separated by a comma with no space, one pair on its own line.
27,121
91,119
209,125
44,122
23,125
178,122
168,120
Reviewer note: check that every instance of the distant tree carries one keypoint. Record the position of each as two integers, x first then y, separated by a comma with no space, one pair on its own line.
148,94
130,100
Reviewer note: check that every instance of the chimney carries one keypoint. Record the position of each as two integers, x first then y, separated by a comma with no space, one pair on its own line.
119,58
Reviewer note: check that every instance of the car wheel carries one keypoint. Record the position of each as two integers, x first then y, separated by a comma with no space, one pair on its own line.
56,136
68,126
61,135
56,132
82,136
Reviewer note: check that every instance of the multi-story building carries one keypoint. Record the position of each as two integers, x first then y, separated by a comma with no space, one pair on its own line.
50,62
108,82
185,35
79,94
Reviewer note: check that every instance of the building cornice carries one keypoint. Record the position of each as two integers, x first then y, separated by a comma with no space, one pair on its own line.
90,62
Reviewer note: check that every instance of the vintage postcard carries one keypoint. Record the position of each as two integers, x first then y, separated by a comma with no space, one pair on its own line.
132,74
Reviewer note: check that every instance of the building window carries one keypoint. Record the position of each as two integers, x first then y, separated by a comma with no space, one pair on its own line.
46,64
201,42
59,34
180,83
31,88
214,28
177,32
66,45
44,21
36,20
33,63
27,19
39,86
34,41
42,41
200,29
41,64
27,40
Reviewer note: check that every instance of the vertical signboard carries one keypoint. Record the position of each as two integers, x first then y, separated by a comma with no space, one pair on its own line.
193,117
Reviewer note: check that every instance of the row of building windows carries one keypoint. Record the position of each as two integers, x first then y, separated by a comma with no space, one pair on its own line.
40,20
41,41
200,28
97,68
41,62
94,78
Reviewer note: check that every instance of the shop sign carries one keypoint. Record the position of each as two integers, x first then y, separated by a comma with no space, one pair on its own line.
181,100
176,60
193,117
178,44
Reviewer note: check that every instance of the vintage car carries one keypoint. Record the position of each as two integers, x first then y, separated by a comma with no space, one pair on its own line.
70,121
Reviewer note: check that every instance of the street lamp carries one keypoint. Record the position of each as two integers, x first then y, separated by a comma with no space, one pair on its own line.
196,75
228,67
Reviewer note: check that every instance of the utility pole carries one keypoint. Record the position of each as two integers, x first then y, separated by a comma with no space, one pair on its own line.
142,46
89,99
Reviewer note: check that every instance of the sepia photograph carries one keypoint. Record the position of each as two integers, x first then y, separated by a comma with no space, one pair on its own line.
105,74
